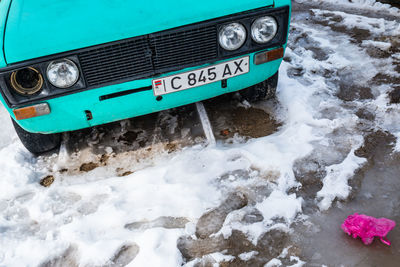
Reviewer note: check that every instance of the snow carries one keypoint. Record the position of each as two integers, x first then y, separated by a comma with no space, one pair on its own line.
372,5
273,263
380,45
247,255
397,145
375,26
336,180
89,211
216,258
92,215
280,205
6,137
298,263
396,56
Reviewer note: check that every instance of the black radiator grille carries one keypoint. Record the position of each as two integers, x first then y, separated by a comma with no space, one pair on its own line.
185,48
115,62
149,55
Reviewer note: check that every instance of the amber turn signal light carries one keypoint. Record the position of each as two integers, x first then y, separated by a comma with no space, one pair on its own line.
268,56
32,111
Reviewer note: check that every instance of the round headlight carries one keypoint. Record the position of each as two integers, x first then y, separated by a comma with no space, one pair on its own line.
62,73
27,81
232,36
264,29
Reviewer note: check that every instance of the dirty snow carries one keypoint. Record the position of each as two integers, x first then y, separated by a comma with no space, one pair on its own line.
274,263
336,180
248,255
380,45
84,216
371,5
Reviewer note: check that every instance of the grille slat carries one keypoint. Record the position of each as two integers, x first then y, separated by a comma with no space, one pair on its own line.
110,53
132,55
149,55
110,73
184,54
171,62
106,79
126,63
171,47
170,52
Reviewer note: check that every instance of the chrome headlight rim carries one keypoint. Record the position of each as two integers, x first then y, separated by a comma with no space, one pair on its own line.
222,31
255,34
68,61
20,89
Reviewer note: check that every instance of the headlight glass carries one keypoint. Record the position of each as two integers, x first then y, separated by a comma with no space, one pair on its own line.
27,81
62,73
264,29
232,36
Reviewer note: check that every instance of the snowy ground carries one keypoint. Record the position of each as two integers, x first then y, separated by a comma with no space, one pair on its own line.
151,192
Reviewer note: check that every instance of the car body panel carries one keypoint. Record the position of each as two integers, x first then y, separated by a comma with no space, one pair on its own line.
37,28
4,7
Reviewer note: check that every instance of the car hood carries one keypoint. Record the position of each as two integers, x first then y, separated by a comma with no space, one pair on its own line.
38,28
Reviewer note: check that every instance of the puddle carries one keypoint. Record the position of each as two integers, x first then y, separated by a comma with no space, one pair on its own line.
324,242
229,118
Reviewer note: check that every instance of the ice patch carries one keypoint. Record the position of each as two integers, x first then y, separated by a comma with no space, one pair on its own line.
299,263
280,205
372,5
247,255
396,56
157,242
206,123
219,257
380,45
336,180
7,134
274,263
376,26
397,145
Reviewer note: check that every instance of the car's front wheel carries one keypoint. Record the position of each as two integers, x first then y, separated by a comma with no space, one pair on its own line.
37,143
262,91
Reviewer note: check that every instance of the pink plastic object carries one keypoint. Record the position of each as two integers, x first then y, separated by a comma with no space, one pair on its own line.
367,227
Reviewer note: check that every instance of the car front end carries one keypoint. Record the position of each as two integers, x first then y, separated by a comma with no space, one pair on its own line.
70,82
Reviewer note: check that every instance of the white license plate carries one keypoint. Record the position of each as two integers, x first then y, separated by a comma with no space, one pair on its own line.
201,77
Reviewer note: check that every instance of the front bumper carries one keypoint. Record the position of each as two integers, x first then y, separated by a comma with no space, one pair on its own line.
69,113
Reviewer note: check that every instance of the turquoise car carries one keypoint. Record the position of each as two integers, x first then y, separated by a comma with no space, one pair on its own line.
66,65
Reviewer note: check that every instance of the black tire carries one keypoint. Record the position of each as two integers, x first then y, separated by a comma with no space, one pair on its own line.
37,143
262,91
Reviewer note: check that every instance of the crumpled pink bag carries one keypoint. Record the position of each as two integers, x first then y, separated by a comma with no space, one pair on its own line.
367,227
